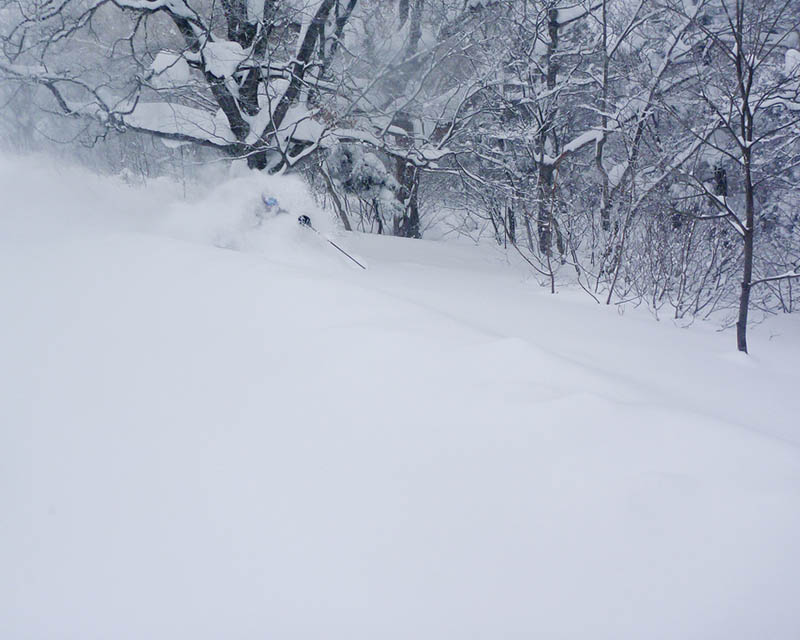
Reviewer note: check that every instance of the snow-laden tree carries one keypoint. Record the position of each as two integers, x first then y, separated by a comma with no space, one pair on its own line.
274,81
645,149
247,77
747,90
410,72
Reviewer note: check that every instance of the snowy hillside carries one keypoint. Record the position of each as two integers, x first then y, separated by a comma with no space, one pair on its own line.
213,426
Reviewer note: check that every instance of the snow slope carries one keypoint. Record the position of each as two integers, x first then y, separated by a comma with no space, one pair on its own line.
198,442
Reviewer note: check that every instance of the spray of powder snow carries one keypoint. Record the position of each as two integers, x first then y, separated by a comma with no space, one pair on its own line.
233,215
229,214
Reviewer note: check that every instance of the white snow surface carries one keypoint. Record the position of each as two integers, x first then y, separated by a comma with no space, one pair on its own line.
268,442
170,70
223,57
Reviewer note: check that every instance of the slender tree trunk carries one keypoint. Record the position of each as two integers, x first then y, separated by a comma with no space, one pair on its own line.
605,215
747,274
407,225
744,74
544,221
546,186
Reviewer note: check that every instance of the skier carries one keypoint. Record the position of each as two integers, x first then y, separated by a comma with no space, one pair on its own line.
272,206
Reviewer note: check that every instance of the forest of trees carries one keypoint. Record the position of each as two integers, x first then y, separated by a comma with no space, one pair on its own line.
647,151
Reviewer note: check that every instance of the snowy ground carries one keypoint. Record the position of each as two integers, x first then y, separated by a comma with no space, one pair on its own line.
267,442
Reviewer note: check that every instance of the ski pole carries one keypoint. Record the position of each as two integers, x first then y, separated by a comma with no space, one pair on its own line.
305,221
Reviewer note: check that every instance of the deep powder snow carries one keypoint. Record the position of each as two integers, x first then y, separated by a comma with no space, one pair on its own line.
213,426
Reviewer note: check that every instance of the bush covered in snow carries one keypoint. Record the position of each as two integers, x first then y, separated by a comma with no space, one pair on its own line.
360,173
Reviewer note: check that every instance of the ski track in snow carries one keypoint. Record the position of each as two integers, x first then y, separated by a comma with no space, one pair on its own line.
200,442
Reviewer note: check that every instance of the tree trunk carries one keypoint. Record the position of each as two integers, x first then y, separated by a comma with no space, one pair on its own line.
747,275
605,214
511,223
407,174
544,222
744,297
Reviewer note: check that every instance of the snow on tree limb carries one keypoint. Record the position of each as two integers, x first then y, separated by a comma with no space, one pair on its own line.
795,273
181,123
